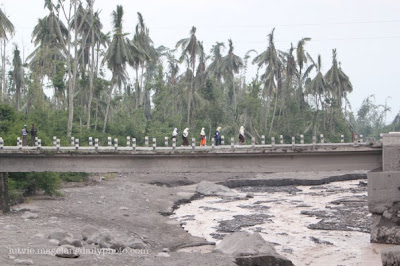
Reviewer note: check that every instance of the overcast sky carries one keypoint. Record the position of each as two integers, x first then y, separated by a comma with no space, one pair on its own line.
366,33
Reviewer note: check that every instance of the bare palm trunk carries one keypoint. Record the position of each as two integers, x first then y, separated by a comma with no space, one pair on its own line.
91,79
273,115
3,57
108,107
137,88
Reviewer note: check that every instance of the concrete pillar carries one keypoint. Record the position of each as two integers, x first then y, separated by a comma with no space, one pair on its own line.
314,141
355,140
222,140
293,142
193,143
58,144
281,139
263,140
90,141
384,195
19,143
134,144
128,141
39,143
4,200
173,144
232,143
76,144
96,144
166,141
301,139
341,138
322,138
154,144
361,139
36,141
146,141
1,143
253,142
115,144
54,141
72,141
273,142
212,143
109,141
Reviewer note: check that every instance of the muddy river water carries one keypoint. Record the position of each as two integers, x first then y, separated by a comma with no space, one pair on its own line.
310,225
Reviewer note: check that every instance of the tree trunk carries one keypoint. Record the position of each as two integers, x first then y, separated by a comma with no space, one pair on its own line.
273,114
137,88
4,200
3,57
91,78
108,107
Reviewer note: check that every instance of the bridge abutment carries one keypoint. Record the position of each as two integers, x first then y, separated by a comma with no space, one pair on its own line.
4,200
384,193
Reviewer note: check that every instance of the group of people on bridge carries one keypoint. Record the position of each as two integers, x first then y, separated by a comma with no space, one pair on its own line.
218,137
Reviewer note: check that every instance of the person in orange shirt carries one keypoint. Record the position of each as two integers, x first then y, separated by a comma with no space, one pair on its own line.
202,137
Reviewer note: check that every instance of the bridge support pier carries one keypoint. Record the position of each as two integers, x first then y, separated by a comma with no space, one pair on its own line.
384,193
4,200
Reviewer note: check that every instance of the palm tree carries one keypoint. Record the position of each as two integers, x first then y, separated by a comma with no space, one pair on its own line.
17,75
214,69
231,65
339,82
190,47
273,64
301,56
317,87
5,27
116,57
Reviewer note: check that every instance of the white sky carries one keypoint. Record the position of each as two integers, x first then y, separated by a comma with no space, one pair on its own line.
366,33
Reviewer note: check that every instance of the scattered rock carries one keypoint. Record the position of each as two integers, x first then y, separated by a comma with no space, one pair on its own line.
67,251
71,241
136,243
208,188
250,249
29,215
99,237
88,231
391,256
124,208
59,234
11,227
240,221
24,261
165,250
163,254
54,241
41,236
250,195
319,241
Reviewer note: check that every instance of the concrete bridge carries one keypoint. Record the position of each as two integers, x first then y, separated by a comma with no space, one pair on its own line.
382,159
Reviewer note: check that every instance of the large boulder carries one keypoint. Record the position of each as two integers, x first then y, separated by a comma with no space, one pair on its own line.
208,188
391,256
251,249
88,231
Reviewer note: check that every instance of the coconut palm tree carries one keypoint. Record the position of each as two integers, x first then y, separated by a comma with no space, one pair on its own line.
17,75
116,57
190,47
6,27
301,57
231,65
214,69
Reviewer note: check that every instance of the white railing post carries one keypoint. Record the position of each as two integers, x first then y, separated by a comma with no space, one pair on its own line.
263,140
146,141
361,139
322,138
154,144
96,144
115,144
39,143
1,143
173,144
355,140
281,139
72,141
76,144
109,141
134,144
381,137
193,143
212,143
128,141
36,141
301,139
54,141
232,143
18,141
293,142
58,144
341,138
222,140
314,141
253,142
90,141
273,142
166,141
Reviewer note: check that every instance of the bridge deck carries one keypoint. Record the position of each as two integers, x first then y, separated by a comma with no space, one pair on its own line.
246,158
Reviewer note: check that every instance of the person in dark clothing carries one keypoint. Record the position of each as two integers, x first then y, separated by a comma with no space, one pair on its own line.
218,137
33,135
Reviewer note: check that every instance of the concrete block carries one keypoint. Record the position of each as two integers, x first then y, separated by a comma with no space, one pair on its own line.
391,152
383,190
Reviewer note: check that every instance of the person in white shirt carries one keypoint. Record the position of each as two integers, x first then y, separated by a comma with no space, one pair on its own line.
185,134
241,135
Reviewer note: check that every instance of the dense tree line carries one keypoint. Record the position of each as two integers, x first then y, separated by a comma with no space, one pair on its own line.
120,84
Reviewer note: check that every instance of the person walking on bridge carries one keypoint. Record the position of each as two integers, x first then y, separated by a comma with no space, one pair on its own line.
174,134
24,135
33,135
185,134
202,137
218,136
241,135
